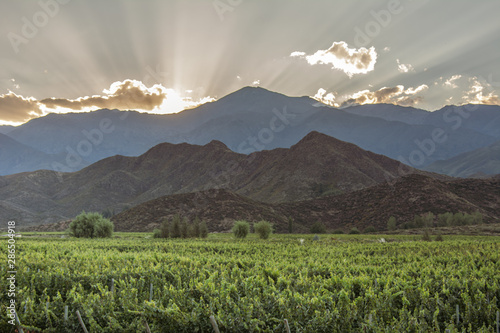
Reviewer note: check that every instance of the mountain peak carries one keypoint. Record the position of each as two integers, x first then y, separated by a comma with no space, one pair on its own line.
216,144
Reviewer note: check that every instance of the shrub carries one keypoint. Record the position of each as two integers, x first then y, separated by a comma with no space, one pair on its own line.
318,228
157,233
184,228
240,229
263,229
369,229
354,231
91,225
290,225
426,237
195,231
338,232
391,223
175,227
439,238
203,230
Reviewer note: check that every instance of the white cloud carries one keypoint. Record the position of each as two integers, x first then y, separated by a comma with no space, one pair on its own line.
477,93
451,81
402,68
392,95
340,56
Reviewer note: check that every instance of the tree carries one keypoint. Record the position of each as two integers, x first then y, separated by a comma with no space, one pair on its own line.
318,228
203,229
175,227
91,225
354,231
391,223
477,218
263,229
369,229
240,229
196,227
184,228
290,225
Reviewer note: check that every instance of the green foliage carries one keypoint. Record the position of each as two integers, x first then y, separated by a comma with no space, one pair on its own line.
157,233
203,229
338,232
439,238
184,228
369,229
263,229
426,237
318,228
290,225
318,287
391,223
91,225
196,232
175,227
354,231
240,229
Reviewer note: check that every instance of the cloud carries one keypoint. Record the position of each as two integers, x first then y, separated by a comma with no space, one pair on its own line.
125,95
16,109
451,81
122,95
340,56
477,93
402,68
391,95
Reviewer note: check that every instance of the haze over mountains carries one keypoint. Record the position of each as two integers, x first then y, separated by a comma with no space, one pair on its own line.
318,165
250,119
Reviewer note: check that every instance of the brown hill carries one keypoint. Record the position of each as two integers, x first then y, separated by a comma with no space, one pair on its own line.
403,199
317,165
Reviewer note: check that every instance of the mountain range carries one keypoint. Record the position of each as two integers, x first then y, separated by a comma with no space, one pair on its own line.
248,120
316,166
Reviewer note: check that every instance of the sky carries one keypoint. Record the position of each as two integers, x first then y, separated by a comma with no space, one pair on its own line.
165,56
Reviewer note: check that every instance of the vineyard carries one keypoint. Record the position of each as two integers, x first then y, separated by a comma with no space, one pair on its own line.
352,283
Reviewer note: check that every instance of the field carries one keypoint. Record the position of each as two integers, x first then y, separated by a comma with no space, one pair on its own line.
339,283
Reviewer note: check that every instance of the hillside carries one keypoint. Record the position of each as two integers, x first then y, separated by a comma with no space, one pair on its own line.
482,161
317,165
404,198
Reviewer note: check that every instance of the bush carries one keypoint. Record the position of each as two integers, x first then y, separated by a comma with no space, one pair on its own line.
318,228
354,231
263,229
426,237
157,233
369,229
439,238
175,227
91,225
240,229
203,230
391,223
195,231
338,232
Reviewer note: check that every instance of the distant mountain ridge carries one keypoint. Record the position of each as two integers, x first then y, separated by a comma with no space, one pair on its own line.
477,163
254,119
317,165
